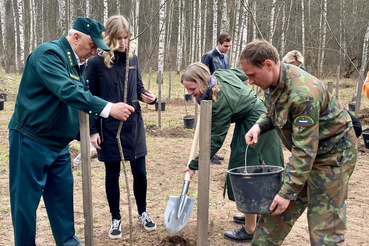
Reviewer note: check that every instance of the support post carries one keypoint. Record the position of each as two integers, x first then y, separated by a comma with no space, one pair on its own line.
86,177
204,173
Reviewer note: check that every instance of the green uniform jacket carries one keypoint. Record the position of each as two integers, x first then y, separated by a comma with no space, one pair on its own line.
51,92
238,104
309,121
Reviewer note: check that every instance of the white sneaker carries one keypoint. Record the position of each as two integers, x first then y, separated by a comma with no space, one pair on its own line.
115,229
146,221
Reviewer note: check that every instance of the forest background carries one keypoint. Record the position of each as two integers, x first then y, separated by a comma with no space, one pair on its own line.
170,34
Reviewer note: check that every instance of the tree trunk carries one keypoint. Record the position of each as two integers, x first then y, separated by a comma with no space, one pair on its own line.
161,38
179,36
203,47
236,44
21,34
254,29
87,9
244,23
118,13
215,22
62,19
272,14
72,13
224,22
193,36
199,33
136,27
283,35
106,11
3,32
303,28
324,36
16,63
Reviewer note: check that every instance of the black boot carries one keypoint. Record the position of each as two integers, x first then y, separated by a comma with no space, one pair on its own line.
239,218
239,235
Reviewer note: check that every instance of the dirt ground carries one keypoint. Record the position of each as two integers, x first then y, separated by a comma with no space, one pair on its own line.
169,149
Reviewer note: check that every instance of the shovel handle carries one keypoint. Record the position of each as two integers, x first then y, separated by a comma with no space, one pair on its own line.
193,147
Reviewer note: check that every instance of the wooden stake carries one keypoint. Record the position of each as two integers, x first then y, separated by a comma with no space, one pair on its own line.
204,173
86,177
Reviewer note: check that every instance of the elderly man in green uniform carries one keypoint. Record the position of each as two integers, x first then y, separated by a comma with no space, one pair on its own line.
233,102
320,135
45,120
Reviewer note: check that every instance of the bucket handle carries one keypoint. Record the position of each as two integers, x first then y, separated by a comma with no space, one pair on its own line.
247,147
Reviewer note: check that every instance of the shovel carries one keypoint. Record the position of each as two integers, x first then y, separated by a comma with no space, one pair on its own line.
178,210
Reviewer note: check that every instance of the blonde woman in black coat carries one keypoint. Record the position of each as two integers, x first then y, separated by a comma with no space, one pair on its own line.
106,75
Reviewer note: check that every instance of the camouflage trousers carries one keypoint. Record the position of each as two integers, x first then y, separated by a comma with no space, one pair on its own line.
325,197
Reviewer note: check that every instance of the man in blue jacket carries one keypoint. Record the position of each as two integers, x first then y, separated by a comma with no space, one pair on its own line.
45,120
218,59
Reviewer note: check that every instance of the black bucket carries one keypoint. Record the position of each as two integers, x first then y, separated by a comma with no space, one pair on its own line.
255,189
365,134
352,106
1,104
188,97
189,121
162,108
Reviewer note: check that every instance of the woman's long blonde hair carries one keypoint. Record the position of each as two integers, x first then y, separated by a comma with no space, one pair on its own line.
199,73
115,25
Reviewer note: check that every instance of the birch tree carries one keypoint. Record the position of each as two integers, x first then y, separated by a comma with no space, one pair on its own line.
283,36
364,58
199,33
179,36
272,14
136,27
118,8
224,22
244,23
324,36
254,29
72,14
204,27
236,43
87,9
21,33
161,38
303,27
194,11
106,12
215,22
3,31
16,63
61,21
34,26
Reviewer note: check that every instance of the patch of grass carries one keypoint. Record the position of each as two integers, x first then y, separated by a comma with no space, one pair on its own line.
5,210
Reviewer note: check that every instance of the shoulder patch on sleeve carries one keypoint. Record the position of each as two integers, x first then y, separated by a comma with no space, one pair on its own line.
303,120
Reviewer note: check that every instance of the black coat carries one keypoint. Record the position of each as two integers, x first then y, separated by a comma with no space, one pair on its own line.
108,83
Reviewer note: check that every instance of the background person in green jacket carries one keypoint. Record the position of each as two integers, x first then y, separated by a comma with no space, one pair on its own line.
319,133
45,120
233,102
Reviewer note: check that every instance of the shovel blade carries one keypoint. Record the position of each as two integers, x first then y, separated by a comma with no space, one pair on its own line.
174,224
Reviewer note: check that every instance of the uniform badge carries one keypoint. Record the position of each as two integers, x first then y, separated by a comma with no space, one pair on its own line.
303,120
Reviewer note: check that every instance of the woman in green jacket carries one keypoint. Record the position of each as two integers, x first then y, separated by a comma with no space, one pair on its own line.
233,102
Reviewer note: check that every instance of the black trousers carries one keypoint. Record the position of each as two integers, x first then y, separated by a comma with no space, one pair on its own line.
112,173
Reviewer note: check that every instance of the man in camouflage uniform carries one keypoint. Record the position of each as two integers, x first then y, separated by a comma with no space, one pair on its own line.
318,132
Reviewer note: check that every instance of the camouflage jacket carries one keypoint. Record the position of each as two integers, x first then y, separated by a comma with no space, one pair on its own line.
309,121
